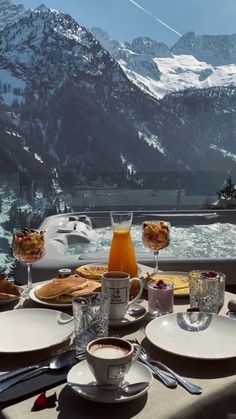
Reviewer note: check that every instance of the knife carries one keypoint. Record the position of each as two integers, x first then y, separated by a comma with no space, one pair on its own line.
17,371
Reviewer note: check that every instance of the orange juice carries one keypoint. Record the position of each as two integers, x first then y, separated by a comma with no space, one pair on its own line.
122,255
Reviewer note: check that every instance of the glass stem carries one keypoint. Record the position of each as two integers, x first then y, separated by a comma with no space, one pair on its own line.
29,284
156,252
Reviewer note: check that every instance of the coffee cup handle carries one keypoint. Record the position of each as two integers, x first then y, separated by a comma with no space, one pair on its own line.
140,290
136,352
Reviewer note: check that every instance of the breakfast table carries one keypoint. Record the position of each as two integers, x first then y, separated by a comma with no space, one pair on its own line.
217,377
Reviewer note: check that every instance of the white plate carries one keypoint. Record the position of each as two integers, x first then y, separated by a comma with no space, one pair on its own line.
45,303
127,320
81,374
194,335
31,329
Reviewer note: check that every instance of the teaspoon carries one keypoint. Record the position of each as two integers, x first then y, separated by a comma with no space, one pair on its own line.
124,388
135,309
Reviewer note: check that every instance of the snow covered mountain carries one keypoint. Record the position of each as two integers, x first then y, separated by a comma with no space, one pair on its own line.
10,12
213,49
79,105
55,70
194,62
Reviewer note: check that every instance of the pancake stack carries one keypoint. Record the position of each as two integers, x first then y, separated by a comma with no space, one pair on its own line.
62,290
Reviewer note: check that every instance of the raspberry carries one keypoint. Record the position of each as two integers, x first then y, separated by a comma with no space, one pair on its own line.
209,274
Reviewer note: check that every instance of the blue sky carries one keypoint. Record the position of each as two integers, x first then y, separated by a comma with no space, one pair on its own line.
124,20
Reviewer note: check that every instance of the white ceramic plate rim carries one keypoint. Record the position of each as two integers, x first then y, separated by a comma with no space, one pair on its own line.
73,376
45,303
154,333
68,327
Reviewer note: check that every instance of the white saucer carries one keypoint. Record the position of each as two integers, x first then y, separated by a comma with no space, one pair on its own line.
127,320
81,374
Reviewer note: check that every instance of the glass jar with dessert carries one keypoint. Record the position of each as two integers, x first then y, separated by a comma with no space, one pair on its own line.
156,236
28,247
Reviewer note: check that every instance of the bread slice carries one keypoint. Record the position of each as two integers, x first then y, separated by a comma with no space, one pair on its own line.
8,287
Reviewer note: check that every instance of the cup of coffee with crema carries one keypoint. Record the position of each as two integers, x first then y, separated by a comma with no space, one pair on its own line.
116,285
110,359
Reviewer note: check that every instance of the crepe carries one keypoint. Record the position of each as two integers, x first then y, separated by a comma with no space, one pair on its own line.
180,282
92,271
62,290
8,288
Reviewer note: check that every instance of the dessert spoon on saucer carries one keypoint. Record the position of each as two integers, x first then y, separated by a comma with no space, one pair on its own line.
125,388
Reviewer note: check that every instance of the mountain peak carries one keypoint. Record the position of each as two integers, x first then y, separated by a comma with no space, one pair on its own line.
42,8
146,45
213,49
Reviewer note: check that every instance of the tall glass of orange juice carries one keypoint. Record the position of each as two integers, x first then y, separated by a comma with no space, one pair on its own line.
122,254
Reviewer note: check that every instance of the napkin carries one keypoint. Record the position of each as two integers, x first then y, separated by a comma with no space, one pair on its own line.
232,305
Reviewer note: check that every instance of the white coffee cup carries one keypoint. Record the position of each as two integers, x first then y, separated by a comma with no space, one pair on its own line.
116,285
110,358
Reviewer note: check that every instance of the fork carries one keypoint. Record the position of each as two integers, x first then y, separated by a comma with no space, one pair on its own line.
166,379
192,388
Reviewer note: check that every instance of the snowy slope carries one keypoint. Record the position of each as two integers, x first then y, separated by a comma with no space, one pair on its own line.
155,69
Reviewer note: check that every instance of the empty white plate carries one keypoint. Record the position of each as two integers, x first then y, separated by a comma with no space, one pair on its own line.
32,329
194,335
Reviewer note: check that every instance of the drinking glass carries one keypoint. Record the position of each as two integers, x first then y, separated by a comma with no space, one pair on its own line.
205,292
91,318
156,236
28,247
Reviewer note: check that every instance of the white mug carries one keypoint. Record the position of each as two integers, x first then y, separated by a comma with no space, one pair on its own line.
110,358
116,285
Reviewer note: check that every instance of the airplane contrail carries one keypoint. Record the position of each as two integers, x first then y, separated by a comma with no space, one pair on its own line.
154,17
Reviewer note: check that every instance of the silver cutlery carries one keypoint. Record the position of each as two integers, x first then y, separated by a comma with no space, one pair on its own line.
58,362
165,378
124,388
192,388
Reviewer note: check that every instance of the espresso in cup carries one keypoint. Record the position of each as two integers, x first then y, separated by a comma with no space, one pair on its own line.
108,351
117,285
110,359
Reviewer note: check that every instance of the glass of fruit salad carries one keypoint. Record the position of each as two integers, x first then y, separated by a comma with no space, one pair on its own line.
28,247
156,236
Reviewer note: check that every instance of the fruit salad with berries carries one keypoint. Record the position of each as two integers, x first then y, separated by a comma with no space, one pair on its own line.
156,234
28,245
